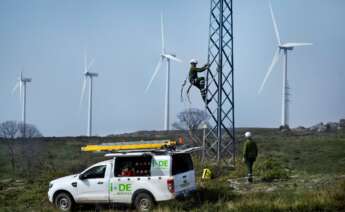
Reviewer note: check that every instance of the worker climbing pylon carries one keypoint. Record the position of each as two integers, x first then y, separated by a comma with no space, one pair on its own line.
198,82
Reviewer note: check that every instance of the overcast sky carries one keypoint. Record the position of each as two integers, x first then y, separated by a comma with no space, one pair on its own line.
47,38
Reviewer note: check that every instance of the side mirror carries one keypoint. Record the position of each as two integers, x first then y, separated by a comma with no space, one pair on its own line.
82,177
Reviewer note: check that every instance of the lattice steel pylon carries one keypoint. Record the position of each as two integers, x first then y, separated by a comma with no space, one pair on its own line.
219,139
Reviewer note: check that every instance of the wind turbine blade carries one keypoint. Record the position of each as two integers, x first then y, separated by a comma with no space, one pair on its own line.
85,61
21,85
90,65
83,91
296,44
173,58
16,86
275,24
154,74
162,33
274,61
20,88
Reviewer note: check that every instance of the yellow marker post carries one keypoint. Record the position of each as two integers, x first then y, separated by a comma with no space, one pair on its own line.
206,174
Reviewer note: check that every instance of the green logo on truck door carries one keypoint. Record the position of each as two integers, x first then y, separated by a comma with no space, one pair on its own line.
125,187
161,164
122,188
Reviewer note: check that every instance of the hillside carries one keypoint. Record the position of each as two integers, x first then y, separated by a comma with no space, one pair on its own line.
295,171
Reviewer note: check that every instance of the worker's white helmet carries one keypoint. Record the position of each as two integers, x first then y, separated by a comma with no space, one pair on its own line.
193,61
248,134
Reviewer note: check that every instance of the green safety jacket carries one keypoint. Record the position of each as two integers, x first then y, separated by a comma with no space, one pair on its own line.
193,71
250,150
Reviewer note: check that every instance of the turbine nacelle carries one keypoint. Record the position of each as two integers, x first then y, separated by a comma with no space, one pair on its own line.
165,55
23,79
26,80
291,46
20,84
171,57
283,47
91,74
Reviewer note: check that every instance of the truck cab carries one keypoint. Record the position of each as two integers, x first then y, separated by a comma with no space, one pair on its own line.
137,178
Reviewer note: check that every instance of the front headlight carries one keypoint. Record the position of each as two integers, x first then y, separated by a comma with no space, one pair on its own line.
50,185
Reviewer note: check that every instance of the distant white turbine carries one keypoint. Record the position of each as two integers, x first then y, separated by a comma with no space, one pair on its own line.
21,85
88,75
285,48
168,57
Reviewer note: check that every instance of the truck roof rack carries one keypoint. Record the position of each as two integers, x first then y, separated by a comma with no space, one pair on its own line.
151,152
158,146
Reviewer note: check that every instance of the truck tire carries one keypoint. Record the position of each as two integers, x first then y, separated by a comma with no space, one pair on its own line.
143,202
63,201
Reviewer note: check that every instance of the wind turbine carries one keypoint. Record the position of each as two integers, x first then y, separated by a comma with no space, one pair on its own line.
88,76
282,48
21,84
164,56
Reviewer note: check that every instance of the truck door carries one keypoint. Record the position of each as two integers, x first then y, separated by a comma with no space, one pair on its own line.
183,172
93,184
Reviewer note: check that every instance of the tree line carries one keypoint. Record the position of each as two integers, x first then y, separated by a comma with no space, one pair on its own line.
13,129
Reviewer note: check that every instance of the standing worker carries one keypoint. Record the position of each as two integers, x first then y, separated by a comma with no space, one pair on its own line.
198,82
250,152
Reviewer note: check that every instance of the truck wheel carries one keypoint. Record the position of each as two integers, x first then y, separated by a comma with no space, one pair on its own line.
63,201
143,202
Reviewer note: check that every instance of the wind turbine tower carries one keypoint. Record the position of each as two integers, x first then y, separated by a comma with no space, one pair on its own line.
88,76
21,84
167,57
282,48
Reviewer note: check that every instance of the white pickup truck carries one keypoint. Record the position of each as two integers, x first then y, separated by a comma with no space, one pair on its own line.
137,178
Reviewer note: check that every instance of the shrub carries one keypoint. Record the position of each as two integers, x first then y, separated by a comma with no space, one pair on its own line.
339,196
271,169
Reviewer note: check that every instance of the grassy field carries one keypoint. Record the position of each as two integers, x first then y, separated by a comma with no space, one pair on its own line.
294,172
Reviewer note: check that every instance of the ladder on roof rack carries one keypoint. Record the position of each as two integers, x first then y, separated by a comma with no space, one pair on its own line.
152,152
133,146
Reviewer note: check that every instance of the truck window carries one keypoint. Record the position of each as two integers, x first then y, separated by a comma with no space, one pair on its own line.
136,166
181,163
160,165
95,172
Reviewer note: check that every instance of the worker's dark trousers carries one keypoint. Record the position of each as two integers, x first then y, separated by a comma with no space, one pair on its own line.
250,163
200,83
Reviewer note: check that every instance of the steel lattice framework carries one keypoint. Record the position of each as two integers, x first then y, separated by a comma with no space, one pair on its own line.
219,140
